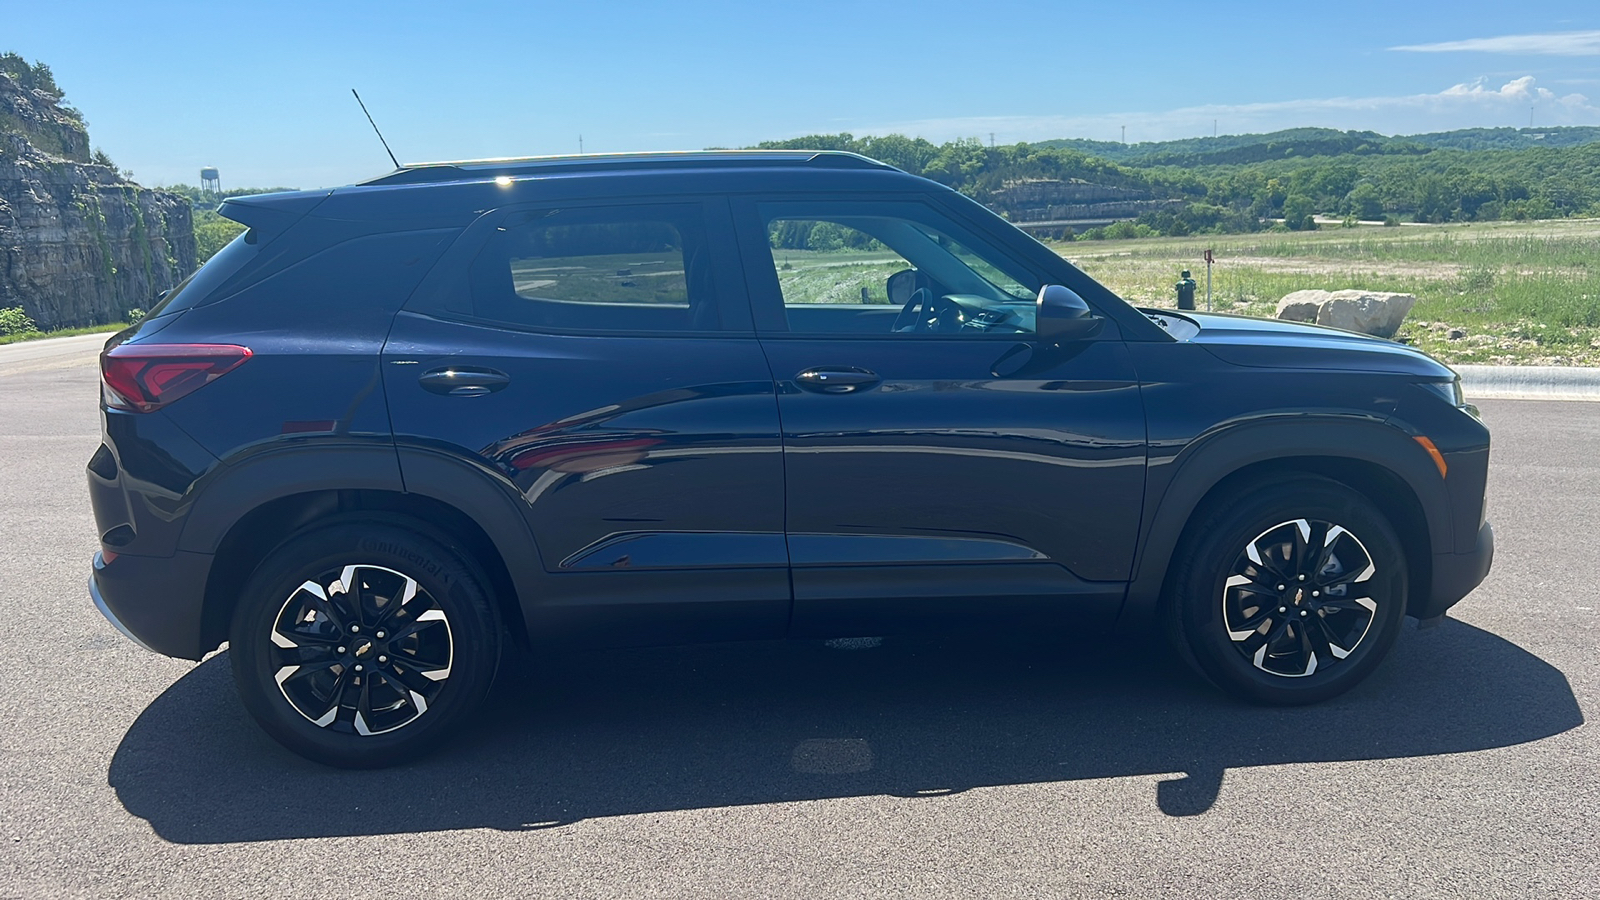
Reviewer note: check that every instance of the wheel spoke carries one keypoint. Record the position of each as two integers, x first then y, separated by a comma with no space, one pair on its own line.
1365,604
1332,643
413,678
1268,563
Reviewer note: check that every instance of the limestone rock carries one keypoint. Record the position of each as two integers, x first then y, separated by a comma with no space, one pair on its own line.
1369,312
79,244
1301,306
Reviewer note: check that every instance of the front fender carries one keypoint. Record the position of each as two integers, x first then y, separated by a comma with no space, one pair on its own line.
1177,486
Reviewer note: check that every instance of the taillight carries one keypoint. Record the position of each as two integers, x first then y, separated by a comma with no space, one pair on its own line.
146,377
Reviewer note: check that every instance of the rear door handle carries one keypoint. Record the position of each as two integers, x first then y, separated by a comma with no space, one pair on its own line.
836,379
463,381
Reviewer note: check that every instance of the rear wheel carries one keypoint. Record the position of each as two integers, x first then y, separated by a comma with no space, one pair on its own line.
363,644
1292,594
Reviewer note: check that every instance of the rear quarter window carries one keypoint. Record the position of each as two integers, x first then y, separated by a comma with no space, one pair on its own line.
227,262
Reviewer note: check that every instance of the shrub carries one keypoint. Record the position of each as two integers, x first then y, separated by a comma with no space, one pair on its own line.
15,321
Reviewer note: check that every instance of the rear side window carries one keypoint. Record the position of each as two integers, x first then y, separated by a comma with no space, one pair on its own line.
635,268
219,268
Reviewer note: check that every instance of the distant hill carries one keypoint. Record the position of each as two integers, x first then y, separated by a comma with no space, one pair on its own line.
1292,143
1246,182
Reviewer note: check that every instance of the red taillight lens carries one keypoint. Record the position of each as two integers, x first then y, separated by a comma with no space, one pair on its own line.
146,377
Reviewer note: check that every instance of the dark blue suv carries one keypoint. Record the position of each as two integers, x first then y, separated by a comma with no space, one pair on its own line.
731,396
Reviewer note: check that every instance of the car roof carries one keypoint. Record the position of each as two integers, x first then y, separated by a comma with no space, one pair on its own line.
453,190
478,169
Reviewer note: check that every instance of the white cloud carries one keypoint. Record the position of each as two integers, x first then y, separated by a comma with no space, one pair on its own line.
1470,105
1565,43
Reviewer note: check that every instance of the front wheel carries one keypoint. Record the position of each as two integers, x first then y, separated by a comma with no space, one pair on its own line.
1292,594
363,644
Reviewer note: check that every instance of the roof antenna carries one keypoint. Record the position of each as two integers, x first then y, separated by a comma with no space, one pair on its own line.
375,129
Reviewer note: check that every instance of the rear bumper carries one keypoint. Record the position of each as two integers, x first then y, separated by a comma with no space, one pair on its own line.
156,602
1456,574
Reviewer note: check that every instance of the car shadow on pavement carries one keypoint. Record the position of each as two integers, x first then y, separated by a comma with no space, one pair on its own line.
612,733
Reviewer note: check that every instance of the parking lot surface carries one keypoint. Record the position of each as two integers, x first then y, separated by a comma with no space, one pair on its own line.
1019,767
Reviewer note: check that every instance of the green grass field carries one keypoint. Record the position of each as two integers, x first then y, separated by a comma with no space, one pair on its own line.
1522,292
64,332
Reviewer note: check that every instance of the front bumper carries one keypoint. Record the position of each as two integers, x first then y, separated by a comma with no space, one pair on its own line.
1456,574
156,602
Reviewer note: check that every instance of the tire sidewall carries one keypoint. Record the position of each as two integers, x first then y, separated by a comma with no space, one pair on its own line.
1216,543
452,581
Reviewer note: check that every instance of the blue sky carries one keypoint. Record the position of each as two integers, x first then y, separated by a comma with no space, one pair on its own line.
262,89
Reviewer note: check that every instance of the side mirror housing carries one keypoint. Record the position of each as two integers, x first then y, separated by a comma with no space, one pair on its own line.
1061,315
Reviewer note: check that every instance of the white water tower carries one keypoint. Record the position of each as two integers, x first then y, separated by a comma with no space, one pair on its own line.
210,181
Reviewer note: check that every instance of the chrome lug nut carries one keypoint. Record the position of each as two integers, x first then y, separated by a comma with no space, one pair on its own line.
1302,578
341,649
1283,609
383,659
355,629
380,635
358,667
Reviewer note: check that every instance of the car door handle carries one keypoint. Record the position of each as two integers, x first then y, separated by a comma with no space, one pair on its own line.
463,381
836,379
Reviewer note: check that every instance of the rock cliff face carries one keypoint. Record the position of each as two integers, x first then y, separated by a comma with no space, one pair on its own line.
79,244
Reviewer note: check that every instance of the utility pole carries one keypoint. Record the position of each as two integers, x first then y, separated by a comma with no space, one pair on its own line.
991,140
1209,260
1213,128
1124,134
580,145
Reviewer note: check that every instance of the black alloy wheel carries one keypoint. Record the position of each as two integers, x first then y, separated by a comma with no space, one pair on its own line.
361,649
363,644
1297,599
1292,594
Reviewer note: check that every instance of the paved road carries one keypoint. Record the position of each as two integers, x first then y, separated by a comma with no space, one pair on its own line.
1464,768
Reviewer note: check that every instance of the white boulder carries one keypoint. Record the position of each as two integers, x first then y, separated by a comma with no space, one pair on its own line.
1369,312
1302,306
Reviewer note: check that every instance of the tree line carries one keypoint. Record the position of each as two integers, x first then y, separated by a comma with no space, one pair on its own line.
1291,176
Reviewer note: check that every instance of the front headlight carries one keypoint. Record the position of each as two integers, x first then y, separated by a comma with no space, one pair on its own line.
1449,391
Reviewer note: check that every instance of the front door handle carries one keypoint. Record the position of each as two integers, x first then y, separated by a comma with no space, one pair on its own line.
454,381
836,379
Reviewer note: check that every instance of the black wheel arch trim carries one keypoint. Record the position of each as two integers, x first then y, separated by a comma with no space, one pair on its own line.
229,492
1177,487
490,500
237,489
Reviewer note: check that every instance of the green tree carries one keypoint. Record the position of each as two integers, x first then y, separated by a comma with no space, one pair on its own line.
211,233
1297,212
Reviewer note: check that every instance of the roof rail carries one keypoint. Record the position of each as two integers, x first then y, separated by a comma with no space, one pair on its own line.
479,169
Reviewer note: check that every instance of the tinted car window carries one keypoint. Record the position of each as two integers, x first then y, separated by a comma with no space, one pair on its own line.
219,268
637,268
839,264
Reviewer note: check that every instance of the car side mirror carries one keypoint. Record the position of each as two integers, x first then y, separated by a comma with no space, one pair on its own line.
1061,315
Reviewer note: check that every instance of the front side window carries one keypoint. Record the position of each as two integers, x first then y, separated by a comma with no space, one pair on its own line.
891,268
639,269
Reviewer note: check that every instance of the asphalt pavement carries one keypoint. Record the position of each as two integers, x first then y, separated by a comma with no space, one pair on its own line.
1030,768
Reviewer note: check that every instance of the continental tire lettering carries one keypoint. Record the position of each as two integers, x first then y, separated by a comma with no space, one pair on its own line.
426,564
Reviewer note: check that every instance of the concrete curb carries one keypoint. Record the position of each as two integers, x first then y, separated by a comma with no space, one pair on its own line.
1529,382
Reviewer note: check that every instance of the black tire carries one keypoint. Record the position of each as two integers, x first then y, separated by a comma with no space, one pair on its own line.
1260,632
426,659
